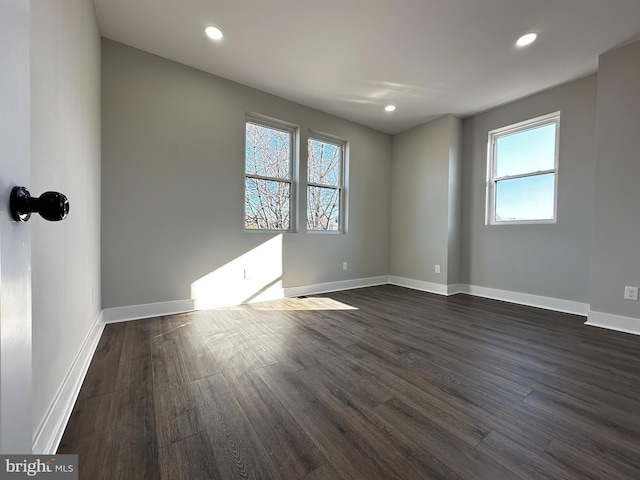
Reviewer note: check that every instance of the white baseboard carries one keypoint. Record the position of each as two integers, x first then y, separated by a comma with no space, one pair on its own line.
240,296
49,432
136,312
614,322
335,286
273,293
548,303
423,286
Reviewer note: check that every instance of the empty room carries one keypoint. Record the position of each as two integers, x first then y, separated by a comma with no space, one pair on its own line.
320,240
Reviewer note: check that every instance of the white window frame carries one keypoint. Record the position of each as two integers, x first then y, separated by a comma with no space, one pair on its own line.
342,189
492,180
292,130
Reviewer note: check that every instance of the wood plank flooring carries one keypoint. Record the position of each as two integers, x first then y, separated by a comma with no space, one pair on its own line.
375,383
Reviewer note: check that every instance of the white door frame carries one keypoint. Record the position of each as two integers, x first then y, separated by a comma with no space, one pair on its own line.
15,239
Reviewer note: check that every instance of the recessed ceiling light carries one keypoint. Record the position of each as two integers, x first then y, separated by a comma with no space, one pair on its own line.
389,108
214,33
527,39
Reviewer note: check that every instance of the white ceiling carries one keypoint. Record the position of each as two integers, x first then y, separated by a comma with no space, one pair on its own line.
352,57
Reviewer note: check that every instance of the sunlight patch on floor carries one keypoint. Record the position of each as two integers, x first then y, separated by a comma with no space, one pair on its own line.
301,303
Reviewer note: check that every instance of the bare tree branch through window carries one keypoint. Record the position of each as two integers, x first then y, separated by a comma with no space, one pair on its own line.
269,179
268,164
324,185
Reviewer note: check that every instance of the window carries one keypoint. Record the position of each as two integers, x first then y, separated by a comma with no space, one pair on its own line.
325,185
268,176
522,172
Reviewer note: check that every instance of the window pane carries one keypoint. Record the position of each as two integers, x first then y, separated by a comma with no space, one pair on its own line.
267,151
323,208
325,161
266,205
526,152
527,198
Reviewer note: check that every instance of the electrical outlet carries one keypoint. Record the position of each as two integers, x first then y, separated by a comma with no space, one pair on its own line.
631,293
437,269
345,266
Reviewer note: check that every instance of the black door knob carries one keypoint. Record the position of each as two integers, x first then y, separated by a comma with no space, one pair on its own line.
52,206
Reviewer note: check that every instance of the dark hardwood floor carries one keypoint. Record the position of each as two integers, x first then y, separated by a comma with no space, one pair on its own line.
375,383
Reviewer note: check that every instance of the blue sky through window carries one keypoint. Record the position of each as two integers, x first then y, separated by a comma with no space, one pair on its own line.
527,151
526,198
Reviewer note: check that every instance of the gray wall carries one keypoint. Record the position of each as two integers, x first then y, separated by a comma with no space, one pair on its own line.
173,189
454,199
65,156
425,189
550,260
616,216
